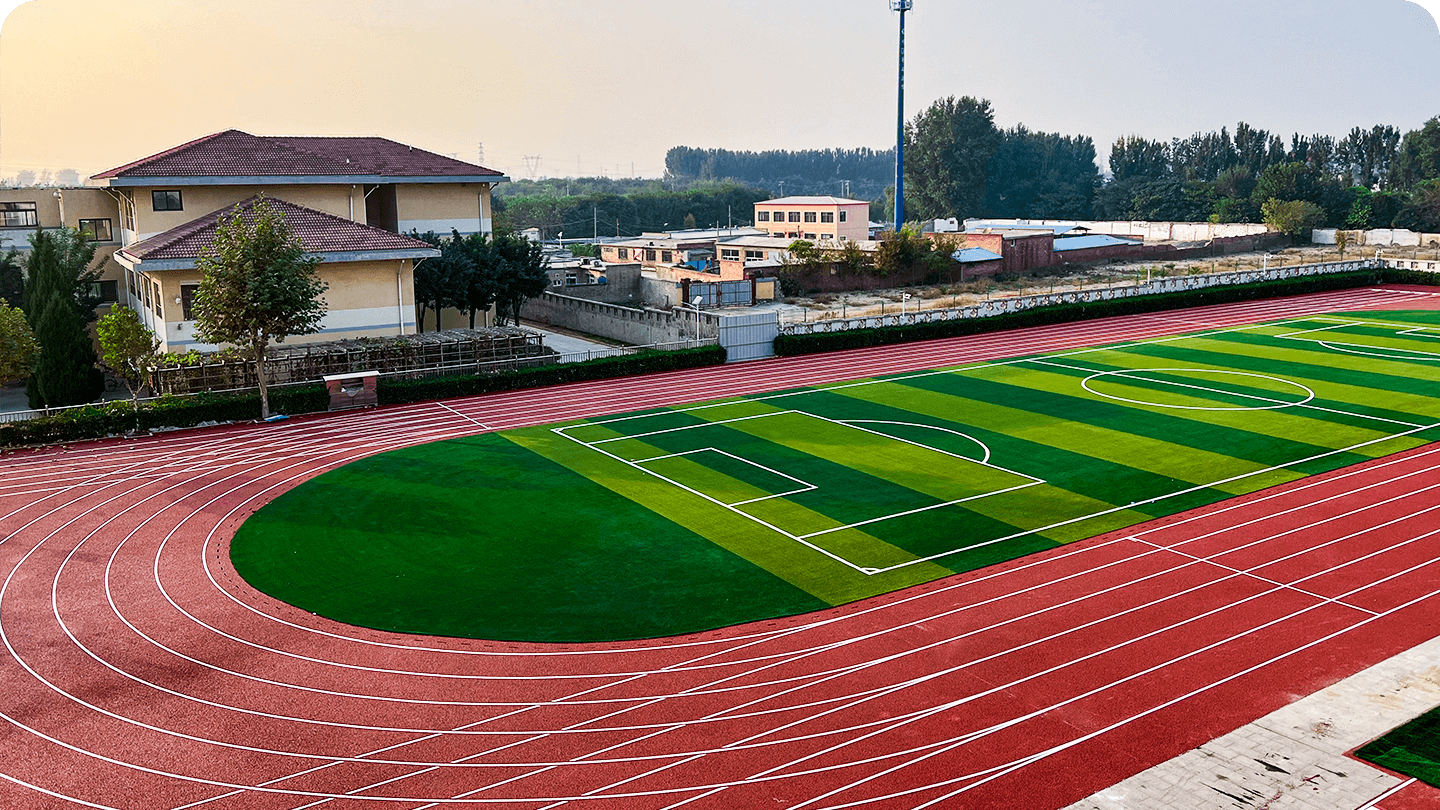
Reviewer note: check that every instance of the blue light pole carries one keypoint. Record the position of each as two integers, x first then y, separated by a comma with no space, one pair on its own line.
901,6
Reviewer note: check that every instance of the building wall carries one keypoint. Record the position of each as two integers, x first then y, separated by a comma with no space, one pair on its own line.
78,204
629,324
1026,252
441,207
201,200
362,297
855,227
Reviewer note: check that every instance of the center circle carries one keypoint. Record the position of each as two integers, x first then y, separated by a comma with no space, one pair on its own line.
1266,393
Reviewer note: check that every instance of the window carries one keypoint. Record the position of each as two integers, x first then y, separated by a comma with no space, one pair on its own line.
731,254
107,292
96,230
187,300
166,200
666,256
810,237
18,215
827,236
809,216
762,216
842,215
754,255
794,216
827,216
624,254
649,254
145,291
159,310
779,216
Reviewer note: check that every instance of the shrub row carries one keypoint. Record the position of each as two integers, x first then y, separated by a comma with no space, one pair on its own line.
402,391
112,418
792,345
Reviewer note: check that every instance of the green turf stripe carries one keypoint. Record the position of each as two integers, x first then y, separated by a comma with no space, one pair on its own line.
1413,749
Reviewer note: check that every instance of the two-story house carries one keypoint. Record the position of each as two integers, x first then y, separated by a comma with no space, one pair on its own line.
814,219
349,201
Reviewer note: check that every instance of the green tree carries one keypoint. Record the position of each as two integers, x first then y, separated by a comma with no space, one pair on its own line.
487,266
257,286
948,148
521,275
12,278
127,348
1421,211
58,307
441,281
1342,241
1294,218
689,222
17,345
1419,155
902,251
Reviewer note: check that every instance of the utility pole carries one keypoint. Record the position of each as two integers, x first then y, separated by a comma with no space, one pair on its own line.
595,212
901,6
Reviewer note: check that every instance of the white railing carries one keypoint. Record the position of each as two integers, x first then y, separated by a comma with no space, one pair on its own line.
1001,306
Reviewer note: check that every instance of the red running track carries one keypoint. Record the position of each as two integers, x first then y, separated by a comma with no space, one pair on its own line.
140,672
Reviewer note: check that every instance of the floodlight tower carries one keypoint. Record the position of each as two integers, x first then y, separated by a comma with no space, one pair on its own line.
901,6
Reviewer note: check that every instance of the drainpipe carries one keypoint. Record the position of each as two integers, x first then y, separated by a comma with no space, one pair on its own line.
400,295
60,198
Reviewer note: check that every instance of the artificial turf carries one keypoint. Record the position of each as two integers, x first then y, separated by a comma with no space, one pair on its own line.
687,519
1413,749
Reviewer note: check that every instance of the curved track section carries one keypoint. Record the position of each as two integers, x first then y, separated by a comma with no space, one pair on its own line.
140,672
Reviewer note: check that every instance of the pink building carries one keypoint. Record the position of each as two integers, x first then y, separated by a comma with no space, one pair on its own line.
815,219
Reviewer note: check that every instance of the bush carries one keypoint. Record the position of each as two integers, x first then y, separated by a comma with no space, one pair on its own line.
395,392
793,345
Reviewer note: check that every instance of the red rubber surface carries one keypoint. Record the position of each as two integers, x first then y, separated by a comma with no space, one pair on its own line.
140,672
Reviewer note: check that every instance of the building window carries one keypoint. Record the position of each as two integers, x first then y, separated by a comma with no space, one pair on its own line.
187,300
96,230
159,310
827,216
827,236
666,256
809,216
754,255
145,291
730,254
762,216
779,216
624,254
106,292
166,200
810,237
19,215
794,216
649,254
842,215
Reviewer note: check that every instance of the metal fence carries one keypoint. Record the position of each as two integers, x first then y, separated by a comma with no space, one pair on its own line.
999,306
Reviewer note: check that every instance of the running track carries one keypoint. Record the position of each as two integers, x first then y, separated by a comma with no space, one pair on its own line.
139,672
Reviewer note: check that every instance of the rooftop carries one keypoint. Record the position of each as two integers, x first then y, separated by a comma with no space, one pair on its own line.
812,201
233,153
972,255
318,232
1097,241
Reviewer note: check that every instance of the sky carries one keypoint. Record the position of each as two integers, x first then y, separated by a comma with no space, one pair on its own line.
605,88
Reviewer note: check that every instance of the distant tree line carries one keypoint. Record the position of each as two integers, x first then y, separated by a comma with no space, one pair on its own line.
613,213
960,164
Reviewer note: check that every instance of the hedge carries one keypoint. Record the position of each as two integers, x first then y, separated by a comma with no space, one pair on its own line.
792,345
112,418
395,392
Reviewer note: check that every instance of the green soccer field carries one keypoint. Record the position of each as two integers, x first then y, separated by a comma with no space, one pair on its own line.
685,519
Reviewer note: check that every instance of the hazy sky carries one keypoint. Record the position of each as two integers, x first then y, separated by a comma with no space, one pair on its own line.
594,86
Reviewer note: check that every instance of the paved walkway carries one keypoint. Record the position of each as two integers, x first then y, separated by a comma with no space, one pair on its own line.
1295,758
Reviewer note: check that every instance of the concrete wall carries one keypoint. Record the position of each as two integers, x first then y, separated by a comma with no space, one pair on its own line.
639,326
1383,237
441,207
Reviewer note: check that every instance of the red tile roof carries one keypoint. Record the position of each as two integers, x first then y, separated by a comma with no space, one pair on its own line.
233,153
317,231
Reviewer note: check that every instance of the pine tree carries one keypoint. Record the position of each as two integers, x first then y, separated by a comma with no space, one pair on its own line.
65,372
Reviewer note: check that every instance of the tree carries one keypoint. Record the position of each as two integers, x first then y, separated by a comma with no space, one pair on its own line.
486,267
441,281
521,275
58,306
257,286
1342,241
1419,155
127,348
689,222
17,345
1295,218
12,278
948,148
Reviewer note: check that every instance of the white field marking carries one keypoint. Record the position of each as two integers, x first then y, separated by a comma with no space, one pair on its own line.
1272,562
867,570
984,459
1158,498
1368,349
1423,332
995,773
1256,576
806,486
1134,374
1280,403
463,416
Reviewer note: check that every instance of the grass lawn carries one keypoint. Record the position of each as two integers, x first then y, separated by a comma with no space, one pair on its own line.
1413,749
686,519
